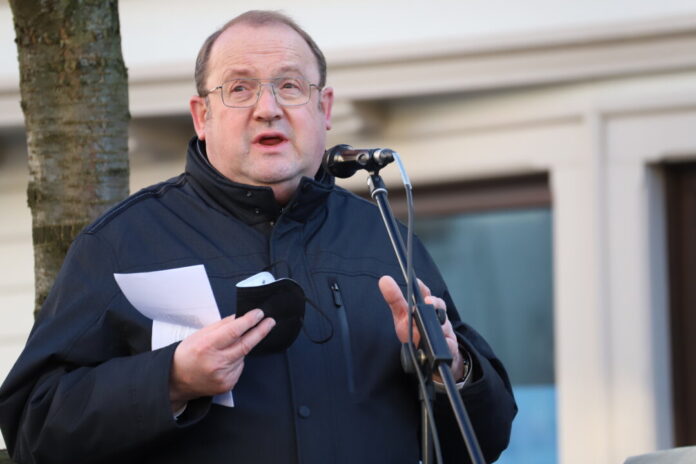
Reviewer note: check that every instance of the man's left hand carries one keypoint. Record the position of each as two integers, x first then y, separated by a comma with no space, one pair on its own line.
399,308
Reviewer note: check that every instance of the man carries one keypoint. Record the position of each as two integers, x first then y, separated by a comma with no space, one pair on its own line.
89,387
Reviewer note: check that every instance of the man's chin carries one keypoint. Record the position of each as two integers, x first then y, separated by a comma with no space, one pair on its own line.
278,174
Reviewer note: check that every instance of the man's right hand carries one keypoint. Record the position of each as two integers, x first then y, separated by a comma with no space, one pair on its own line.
210,361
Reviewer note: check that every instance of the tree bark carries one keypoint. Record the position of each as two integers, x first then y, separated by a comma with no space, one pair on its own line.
74,91
4,457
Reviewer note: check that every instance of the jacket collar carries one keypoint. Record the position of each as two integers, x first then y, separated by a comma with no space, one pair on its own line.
253,205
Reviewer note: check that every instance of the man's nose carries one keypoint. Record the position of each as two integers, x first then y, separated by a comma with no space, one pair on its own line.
267,107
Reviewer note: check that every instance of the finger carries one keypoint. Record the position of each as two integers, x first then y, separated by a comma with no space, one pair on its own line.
438,303
402,331
393,296
231,328
395,299
424,289
250,339
448,331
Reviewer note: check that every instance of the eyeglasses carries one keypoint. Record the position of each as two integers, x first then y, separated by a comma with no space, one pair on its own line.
245,93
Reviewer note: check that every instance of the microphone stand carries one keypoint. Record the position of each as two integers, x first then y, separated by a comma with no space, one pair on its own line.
433,354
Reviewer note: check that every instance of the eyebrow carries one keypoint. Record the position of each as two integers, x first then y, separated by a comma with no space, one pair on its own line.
283,71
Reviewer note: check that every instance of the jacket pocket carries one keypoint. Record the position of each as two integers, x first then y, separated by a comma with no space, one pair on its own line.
344,329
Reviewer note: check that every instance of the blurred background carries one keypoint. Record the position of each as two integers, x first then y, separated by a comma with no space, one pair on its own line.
552,148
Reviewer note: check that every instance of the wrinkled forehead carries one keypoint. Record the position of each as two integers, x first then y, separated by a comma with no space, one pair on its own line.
261,51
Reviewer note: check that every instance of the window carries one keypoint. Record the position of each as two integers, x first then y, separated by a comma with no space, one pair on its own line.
492,241
681,227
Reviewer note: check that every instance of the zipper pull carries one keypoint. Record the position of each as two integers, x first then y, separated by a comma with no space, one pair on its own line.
336,292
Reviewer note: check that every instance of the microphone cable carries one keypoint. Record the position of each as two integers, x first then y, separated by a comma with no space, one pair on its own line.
408,187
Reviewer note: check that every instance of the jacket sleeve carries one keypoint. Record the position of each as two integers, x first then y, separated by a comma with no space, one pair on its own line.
80,391
487,397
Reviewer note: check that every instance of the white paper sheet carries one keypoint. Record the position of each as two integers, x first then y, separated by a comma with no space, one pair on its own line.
179,301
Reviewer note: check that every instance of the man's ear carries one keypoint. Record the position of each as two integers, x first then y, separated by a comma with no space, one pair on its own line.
326,103
199,114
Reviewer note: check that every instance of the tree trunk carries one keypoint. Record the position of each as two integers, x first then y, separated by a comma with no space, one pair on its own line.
4,457
74,90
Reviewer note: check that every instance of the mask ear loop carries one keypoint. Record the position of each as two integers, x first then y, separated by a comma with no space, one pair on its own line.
326,318
314,306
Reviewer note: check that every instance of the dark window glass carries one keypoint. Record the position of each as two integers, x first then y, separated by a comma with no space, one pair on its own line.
498,267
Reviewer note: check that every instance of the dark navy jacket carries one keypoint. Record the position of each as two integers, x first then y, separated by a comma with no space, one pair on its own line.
88,387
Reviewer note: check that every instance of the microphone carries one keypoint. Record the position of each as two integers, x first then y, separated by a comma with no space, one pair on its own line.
343,160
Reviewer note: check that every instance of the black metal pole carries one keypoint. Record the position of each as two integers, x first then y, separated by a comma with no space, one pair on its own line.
427,396
437,355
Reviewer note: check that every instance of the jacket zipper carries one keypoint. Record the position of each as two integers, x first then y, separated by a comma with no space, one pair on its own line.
345,332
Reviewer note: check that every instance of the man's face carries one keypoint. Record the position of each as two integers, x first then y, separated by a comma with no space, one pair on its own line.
265,145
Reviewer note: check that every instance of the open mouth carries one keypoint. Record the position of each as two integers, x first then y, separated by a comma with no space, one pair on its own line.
270,140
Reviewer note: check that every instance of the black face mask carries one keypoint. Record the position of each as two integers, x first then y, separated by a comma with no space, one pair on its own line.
284,301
